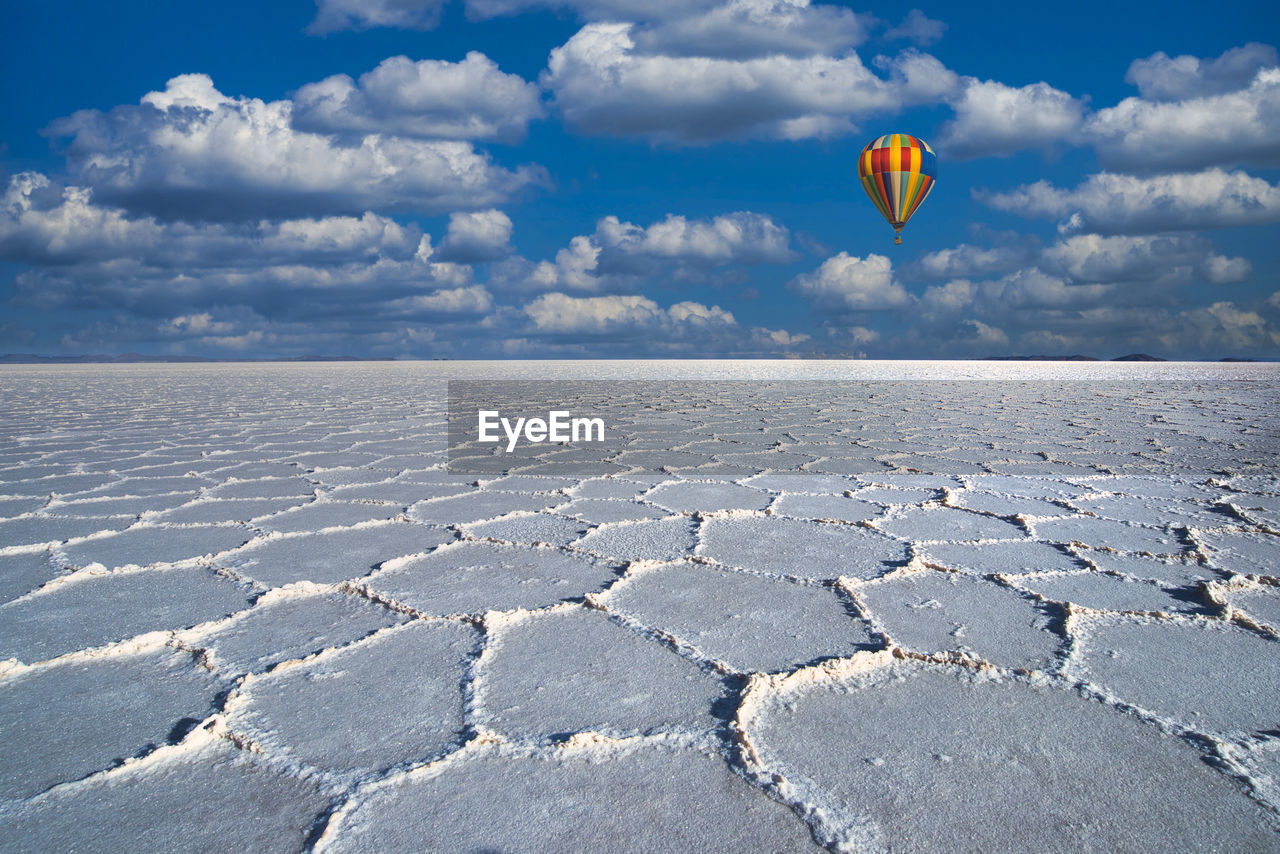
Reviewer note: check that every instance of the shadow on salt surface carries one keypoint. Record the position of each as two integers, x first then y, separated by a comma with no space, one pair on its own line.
640,798
213,797
926,758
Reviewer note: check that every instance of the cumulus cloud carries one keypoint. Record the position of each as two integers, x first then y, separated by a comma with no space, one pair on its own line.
741,237
676,248
594,10
993,119
476,236
1232,128
744,29
968,260
918,28
192,152
87,255
1160,77
429,99
848,283
603,84
334,15
1095,258
1123,204
473,299
41,223
560,313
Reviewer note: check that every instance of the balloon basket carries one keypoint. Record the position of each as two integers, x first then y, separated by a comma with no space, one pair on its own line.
897,240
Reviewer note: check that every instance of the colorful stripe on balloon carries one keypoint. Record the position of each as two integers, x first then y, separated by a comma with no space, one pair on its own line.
897,172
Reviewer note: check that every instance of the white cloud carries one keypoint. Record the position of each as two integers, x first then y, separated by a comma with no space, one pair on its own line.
863,335
192,152
918,28
949,298
1221,270
1240,127
1094,258
592,10
993,119
557,312
1109,203
742,29
476,236
676,248
697,314
1224,326
91,256
969,260
560,313
603,84
44,224
849,283
741,237
430,99
1160,77
474,299
334,15
1033,288
782,337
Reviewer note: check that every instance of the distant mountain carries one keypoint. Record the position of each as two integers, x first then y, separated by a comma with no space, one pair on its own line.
1076,358
1132,357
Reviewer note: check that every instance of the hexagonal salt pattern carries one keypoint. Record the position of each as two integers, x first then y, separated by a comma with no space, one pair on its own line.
251,608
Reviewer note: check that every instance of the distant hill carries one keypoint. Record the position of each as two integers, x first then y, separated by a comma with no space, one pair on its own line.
1132,357
1076,358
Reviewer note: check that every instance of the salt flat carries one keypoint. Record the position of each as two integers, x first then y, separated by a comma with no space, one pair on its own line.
853,606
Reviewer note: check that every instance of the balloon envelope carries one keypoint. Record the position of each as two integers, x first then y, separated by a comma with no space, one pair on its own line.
897,172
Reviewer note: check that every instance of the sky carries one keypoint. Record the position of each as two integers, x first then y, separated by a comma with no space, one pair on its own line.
636,178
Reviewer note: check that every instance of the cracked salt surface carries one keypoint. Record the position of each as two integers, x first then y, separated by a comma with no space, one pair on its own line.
635,799
927,759
249,607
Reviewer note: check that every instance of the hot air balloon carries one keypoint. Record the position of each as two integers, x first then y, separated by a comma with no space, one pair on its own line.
897,172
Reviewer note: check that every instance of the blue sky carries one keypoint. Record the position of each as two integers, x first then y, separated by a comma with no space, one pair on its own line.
528,178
